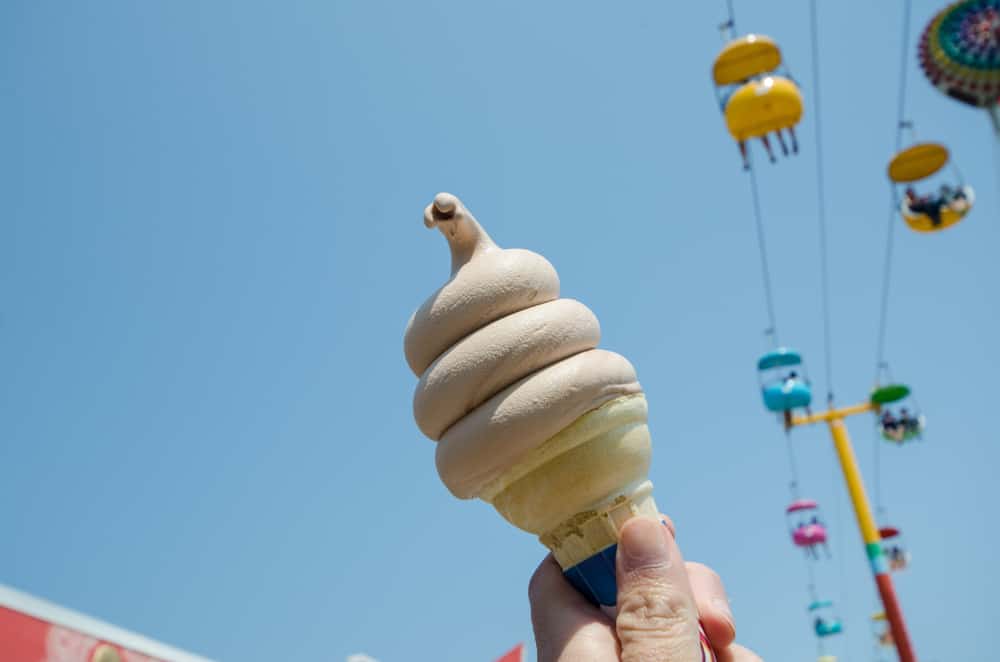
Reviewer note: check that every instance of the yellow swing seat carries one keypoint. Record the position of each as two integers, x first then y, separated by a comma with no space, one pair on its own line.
763,106
953,212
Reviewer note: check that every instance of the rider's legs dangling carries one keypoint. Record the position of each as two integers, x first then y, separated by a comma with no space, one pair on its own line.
767,146
795,141
743,152
781,141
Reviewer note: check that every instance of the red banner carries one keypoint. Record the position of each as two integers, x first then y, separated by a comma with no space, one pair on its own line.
25,638
513,655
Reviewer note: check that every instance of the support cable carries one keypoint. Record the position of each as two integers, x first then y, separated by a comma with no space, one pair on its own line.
793,467
765,268
879,510
759,223
732,15
901,124
821,211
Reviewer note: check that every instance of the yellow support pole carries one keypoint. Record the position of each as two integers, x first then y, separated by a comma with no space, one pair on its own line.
852,476
866,521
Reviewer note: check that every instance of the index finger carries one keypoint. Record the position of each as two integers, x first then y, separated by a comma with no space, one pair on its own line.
713,605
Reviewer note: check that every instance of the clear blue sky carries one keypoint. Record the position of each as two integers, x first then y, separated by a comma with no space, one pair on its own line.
211,240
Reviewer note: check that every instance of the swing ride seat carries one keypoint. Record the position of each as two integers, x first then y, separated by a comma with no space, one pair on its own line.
952,212
882,633
901,562
902,430
827,628
787,394
808,535
826,622
905,432
894,548
783,392
919,162
745,57
763,106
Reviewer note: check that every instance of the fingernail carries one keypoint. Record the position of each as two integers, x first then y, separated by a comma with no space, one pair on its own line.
643,544
722,606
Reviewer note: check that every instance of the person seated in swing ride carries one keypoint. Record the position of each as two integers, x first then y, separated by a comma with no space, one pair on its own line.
928,205
909,423
897,557
889,422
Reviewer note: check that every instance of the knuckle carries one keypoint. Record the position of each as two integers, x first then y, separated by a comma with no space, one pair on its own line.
656,613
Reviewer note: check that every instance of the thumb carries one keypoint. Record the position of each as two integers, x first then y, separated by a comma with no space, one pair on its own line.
657,617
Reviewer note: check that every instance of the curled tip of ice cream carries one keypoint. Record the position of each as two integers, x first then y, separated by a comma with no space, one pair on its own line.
465,236
445,203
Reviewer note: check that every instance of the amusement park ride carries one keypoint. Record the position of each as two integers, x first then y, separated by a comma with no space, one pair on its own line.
960,53
790,397
755,99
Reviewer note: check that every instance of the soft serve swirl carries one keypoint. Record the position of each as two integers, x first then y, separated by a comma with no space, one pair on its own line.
504,364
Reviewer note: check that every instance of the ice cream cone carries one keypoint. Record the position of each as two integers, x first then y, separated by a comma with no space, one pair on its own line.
529,414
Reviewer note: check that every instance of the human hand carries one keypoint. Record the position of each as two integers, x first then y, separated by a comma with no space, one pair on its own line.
660,601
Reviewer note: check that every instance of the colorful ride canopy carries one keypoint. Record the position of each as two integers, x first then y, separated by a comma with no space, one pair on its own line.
959,52
888,532
884,395
802,504
745,57
917,162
